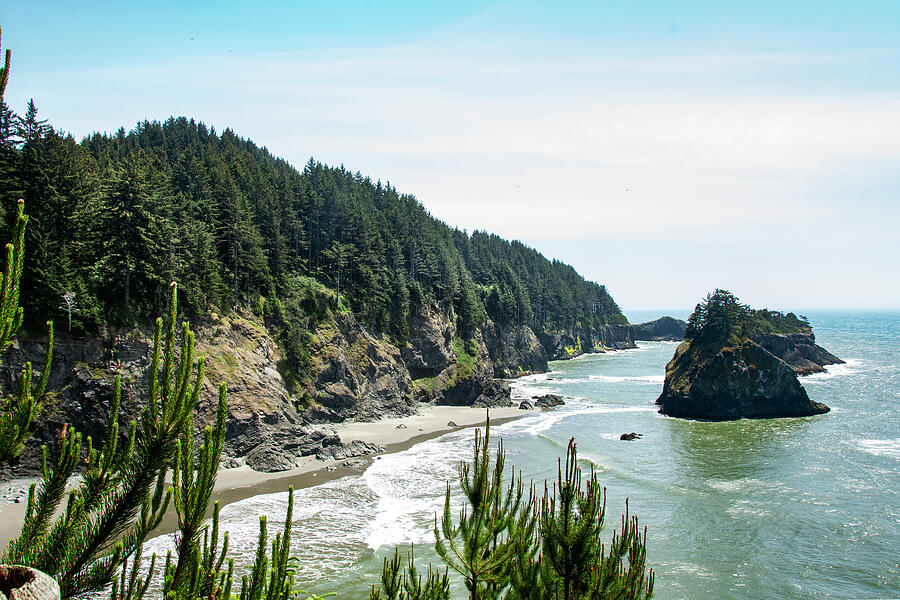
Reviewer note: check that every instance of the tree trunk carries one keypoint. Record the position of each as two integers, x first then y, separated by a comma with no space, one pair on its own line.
23,583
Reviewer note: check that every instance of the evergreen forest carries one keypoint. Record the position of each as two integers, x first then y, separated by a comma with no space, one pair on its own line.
115,218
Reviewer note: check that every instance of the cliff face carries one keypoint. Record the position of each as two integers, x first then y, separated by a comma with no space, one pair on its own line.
264,429
462,372
357,375
354,375
562,345
747,381
513,349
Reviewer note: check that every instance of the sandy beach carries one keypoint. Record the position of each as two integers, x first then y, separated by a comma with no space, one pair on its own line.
395,434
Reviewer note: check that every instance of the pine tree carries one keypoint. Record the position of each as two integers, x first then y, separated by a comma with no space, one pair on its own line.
96,539
575,563
408,584
17,411
506,545
338,255
4,71
496,523
123,496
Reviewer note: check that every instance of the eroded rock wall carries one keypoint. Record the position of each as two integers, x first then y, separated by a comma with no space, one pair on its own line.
355,375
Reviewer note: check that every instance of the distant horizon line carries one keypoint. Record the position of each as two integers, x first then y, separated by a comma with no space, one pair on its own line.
794,310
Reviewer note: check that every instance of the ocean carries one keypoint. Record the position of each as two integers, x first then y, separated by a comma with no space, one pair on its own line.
783,508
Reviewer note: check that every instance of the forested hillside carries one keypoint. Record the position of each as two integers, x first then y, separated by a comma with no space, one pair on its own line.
115,218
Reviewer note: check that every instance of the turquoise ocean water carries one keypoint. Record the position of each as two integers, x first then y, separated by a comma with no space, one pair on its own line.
786,508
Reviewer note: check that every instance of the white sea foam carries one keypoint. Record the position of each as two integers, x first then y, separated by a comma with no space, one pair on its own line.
881,447
329,521
537,425
850,366
749,507
745,485
410,486
655,379
525,393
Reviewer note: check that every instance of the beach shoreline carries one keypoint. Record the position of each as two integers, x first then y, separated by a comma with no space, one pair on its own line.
395,434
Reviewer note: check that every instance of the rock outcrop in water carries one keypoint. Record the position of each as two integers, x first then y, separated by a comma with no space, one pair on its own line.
662,329
798,350
734,363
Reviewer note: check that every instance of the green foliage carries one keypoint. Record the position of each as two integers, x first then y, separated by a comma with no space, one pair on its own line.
121,215
721,319
408,584
507,545
195,572
575,562
4,71
466,354
275,582
94,539
496,524
306,306
18,411
122,497
424,383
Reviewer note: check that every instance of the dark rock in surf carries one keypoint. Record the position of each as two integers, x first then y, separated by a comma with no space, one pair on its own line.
548,401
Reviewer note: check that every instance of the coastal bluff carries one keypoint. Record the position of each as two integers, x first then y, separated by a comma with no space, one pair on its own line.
737,362
354,375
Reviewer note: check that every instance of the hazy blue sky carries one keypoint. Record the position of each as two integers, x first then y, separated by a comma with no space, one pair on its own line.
662,148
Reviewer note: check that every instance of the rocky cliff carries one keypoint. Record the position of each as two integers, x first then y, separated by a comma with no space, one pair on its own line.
354,375
357,375
798,350
564,345
265,430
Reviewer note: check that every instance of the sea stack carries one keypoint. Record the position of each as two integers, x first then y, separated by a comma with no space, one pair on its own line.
737,362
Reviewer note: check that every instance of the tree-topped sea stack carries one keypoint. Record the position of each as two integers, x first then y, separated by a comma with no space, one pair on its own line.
737,362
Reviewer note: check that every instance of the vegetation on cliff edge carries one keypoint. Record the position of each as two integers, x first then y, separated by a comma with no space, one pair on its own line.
721,320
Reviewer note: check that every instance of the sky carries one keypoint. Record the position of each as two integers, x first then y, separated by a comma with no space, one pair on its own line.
663,149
